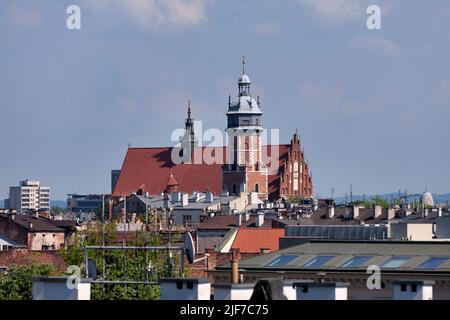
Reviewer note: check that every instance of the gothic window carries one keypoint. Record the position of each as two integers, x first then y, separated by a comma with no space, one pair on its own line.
234,189
256,187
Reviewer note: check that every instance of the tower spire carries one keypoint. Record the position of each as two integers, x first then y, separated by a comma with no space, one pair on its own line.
243,64
189,109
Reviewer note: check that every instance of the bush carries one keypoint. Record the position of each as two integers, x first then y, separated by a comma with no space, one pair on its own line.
16,283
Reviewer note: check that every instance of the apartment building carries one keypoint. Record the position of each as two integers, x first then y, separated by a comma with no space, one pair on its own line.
29,195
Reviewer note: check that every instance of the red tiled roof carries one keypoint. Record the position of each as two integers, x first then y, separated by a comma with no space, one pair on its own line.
149,169
172,181
252,240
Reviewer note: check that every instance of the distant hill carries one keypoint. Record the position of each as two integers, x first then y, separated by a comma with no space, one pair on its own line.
59,203
438,198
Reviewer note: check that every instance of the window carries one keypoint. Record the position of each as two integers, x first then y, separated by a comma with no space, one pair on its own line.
256,187
187,219
403,287
432,263
394,262
179,285
317,261
190,285
281,261
234,189
355,262
414,287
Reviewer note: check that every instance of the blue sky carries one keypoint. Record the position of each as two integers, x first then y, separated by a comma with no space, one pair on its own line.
372,107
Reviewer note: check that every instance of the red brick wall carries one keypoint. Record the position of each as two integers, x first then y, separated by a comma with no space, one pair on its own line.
22,257
215,259
305,188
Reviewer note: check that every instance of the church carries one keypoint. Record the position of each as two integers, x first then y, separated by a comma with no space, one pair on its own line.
245,169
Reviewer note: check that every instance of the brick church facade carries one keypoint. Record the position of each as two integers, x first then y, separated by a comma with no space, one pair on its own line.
243,169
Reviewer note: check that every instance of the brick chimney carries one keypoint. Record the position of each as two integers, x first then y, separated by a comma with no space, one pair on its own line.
235,257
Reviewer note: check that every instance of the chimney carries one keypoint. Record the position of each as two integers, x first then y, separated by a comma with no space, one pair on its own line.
246,216
13,217
36,214
176,197
184,199
235,257
259,219
355,212
330,212
30,225
238,220
440,212
209,198
377,211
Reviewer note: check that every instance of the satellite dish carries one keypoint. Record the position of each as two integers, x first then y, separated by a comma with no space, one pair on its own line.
189,248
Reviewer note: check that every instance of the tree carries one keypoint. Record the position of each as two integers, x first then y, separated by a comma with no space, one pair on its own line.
117,261
16,283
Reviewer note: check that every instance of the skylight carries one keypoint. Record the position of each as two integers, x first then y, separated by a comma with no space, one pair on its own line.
394,262
356,262
318,261
281,261
432,263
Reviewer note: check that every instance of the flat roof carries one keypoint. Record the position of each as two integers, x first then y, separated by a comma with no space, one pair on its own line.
340,256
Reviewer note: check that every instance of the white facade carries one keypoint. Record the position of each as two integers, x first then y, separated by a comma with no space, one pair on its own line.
185,289
60,288
321,291
238,291
29,195
413,290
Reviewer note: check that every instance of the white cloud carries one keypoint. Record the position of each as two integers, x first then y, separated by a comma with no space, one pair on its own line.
150,14
24,17
334,11
374,44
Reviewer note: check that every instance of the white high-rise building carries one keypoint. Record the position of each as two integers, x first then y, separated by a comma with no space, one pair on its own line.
30,195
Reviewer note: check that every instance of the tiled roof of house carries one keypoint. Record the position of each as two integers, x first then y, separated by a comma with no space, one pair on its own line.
252,240
38,224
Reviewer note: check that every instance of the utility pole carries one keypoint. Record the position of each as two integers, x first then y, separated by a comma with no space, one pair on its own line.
145,230
103,241
351,193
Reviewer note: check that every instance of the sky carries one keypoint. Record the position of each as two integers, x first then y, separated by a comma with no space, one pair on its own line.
372,107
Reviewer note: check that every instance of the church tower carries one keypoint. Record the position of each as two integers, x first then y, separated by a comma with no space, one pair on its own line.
244,170
188,140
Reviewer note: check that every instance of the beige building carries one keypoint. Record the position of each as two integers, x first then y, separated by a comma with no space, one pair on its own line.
29,195
34,232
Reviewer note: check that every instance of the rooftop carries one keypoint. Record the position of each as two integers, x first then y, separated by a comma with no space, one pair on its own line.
392,256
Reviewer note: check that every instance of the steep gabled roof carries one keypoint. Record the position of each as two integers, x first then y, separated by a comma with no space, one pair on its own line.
149,169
